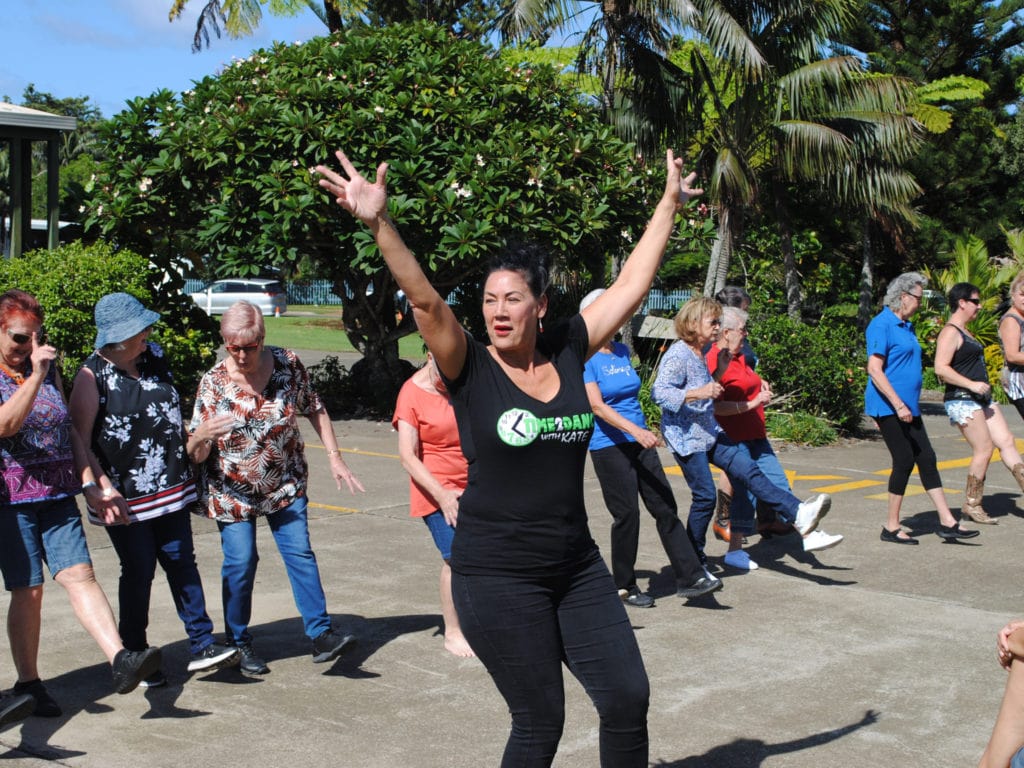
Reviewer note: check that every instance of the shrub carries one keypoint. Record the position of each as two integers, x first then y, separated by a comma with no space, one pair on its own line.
800,428
70,280
821,369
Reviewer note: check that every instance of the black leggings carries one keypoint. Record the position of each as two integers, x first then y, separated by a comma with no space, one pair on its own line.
523,627
908,444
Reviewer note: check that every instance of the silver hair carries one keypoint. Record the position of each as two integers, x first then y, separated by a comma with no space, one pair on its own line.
900,285
733,318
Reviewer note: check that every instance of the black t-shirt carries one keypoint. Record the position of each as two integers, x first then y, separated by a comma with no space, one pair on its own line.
523,510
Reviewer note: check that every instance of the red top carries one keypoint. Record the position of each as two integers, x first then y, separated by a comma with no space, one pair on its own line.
741,385
440,451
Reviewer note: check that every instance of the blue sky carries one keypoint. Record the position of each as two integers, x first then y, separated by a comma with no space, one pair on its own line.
115,50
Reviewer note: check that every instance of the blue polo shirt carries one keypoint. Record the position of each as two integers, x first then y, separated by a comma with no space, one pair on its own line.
894,340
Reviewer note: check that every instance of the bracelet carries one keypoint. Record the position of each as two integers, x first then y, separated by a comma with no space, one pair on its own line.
334,452
90,484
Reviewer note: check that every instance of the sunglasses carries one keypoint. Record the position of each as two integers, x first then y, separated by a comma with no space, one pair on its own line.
25,338
234,349
975,302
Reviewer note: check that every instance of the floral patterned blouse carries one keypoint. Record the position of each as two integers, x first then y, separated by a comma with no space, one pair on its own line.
261,466
688,427
139,437
36,463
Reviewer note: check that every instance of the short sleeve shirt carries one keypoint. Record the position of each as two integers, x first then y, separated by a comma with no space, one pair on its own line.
619,383
896,343
523,509
260,467
433,417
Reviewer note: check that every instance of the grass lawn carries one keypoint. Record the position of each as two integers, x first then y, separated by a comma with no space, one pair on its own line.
319,328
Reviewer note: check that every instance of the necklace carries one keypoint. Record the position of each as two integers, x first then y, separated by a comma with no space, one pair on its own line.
19,378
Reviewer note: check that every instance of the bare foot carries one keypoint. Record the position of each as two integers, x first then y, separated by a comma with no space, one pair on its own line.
456,645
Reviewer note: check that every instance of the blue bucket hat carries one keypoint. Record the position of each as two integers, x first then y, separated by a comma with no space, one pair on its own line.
120,316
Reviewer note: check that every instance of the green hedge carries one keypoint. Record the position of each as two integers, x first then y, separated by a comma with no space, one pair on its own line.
821,369
70,280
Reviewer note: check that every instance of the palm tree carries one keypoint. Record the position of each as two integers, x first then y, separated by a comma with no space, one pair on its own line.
786,112
626,45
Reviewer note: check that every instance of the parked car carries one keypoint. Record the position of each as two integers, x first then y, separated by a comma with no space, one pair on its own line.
268,295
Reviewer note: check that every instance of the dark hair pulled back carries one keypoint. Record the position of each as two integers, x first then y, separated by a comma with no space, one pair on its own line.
528,259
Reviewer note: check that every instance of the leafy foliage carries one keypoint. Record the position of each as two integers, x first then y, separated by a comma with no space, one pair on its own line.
480,152
821,369
70,280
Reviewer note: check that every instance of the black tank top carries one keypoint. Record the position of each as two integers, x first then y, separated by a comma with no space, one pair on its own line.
968,361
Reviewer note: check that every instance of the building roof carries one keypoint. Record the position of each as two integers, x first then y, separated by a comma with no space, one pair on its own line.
13,116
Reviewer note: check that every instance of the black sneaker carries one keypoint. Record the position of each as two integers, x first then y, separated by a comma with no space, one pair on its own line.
130,667
45,705
705,585
330,645
249,663
214,656
155,680
633,596
15,707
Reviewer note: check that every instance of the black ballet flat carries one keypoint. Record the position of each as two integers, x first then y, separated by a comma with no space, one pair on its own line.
893,537
953,533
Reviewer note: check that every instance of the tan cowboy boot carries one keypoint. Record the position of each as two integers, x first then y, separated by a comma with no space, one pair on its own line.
1018,475
972,501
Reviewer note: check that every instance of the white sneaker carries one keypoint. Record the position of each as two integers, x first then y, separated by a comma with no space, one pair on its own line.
810,512
818,540
739,560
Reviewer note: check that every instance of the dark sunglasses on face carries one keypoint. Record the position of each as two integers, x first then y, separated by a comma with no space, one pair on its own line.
25,338
975,302
248,348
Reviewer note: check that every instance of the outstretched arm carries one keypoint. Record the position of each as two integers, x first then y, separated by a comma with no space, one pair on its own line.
613,307
368,202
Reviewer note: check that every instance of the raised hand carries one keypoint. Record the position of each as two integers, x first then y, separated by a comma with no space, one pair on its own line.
42,355
366,201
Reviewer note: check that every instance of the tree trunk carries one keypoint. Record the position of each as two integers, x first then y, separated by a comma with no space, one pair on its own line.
332,16
373,326
730,225
792,274
867,279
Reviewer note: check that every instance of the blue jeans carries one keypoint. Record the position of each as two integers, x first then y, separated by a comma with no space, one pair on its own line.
523,627
742,510
238,574
745,475
140,546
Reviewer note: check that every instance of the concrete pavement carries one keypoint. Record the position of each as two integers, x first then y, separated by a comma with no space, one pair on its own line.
870,654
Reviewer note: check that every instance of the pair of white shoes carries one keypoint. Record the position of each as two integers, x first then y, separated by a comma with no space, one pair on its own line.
808,516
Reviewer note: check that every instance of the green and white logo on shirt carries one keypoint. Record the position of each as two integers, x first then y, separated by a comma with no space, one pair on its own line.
518,427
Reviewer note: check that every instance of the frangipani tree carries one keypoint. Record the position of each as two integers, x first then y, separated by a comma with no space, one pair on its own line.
480,153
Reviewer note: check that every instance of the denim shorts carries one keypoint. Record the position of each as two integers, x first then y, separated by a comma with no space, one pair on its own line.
442,532
37,532
962,411
1018,759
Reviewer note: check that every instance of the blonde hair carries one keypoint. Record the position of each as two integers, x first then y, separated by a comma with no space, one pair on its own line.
690,315
1018,281
243,321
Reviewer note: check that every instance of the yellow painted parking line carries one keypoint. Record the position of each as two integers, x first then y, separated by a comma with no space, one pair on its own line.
851,486
332,508
357,452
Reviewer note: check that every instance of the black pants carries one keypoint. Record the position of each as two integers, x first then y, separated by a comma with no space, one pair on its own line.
908,444
523,627
628,472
